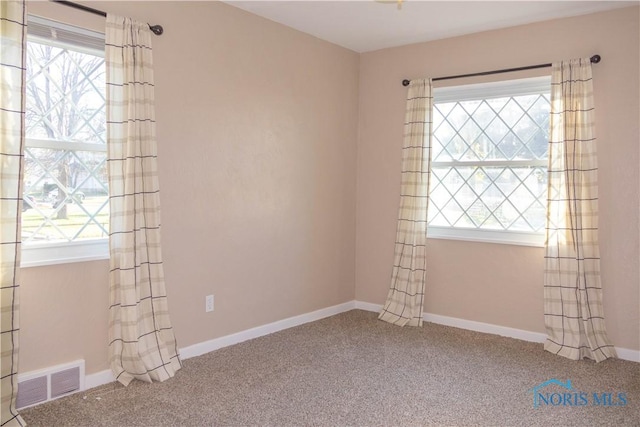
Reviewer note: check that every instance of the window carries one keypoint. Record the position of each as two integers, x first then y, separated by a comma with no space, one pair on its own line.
489,162
65,214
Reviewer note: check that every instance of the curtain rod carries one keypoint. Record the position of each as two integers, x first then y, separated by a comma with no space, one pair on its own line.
156,29
594,60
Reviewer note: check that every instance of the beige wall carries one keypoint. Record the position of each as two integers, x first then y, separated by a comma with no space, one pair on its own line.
257,130
502,284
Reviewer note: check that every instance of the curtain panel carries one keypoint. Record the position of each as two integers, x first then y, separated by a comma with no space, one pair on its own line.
405,299
142,342
574,317
13,40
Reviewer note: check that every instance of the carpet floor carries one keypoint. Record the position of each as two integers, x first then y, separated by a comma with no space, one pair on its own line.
353,370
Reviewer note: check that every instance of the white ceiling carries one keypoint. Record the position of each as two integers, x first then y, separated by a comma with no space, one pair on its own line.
366,25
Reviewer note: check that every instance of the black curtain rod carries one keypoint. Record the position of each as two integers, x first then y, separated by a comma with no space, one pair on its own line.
156,29
594,59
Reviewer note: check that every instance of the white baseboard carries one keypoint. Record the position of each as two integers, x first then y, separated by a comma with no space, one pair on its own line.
215,344
628,354
99,378
487,328
367,306
106,376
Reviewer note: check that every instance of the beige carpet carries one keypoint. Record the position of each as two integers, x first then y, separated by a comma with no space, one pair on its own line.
353,370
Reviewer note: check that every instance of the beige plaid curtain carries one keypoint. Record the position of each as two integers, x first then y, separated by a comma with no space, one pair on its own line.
13,41
574,316
142,343
406,294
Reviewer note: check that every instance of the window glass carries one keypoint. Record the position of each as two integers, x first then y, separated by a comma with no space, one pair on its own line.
65,177
489,160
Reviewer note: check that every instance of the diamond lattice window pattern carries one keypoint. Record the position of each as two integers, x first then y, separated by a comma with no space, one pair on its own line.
489,163
65,178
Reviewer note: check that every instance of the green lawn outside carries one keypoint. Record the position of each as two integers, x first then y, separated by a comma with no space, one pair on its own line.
76,218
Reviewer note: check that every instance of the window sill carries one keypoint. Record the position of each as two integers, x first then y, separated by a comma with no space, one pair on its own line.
50,253
487,236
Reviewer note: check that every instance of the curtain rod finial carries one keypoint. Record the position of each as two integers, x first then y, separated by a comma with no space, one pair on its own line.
156,29
595,59
406,82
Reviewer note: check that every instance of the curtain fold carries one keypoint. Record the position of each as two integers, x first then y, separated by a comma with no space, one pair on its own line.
574,316
142,343
12,79
405,299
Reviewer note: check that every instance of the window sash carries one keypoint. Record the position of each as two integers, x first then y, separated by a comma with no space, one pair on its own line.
37,253
59,144
479,91
42,30
485,91
491,163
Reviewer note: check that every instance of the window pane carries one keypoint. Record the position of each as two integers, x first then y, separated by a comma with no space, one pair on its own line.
505,198
65,196
65,185
504,143
65,95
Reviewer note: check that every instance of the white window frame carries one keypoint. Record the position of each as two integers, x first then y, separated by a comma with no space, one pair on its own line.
48,253
528,86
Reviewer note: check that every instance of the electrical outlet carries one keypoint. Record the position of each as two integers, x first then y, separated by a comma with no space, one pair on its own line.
208,306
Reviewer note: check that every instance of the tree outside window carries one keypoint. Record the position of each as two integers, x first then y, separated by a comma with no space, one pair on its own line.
65,180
